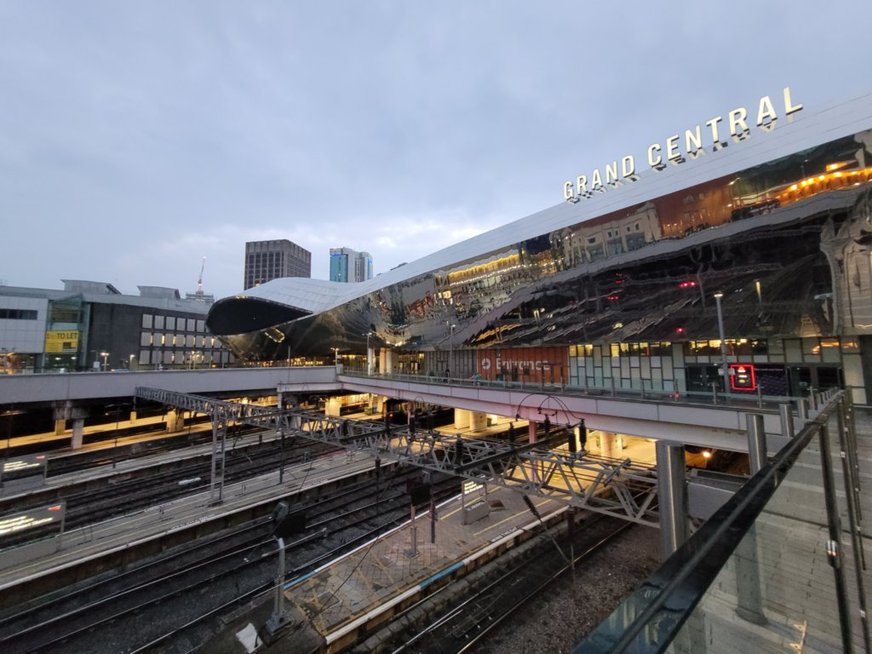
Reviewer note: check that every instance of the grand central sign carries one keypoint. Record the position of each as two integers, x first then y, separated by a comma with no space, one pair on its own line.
676,150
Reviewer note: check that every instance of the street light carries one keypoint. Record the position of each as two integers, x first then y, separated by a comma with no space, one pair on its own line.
451,327
105,356
335,357
724,370
369,357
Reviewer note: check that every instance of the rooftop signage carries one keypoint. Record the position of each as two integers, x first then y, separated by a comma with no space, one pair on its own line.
711,135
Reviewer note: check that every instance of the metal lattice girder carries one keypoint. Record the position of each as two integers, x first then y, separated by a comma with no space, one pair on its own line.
614,487
609,486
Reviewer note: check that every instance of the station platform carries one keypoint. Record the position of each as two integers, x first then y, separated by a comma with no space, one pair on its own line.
127,531
350,592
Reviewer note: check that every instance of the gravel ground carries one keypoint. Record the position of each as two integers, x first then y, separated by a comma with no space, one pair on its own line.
560,619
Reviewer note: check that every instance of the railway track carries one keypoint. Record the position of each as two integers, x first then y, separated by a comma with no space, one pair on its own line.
504,590
165,603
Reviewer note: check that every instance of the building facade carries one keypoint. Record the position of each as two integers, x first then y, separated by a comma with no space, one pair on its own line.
268,260
347,265
92,326
750,255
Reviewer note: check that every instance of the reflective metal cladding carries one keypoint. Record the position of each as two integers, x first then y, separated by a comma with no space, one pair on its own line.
780,224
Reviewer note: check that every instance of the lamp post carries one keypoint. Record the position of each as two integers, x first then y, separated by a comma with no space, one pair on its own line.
724,369
451,327
105,357
368,354
335,357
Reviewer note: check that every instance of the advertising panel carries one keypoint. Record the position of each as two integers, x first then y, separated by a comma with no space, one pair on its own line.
61,341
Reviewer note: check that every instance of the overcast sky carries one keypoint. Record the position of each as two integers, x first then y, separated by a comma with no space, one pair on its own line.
138,138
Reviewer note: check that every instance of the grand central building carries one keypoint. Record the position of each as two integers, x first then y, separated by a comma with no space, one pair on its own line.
743,242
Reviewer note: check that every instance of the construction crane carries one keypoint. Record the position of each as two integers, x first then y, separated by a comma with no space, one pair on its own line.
199,291
199,294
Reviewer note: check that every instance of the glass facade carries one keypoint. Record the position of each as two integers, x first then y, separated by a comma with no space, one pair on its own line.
772,259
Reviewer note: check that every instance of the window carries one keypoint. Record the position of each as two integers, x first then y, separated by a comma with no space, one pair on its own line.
171,323
18,314
147,320
158,322
201,326
192,324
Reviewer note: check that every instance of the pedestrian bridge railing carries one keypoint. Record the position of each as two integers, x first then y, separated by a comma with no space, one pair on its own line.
780,567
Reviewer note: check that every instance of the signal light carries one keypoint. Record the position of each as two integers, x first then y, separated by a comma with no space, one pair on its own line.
582,434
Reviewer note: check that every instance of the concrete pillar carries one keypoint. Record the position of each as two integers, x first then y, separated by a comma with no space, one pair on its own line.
477,420
78,433
672,491
531,432
388,367
606,442
60,426
786,413
175,420
333,407
462,418
749,604
133,416
370,360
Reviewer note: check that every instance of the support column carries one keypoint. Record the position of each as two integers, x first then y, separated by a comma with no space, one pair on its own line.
531,432
672,491
370,360
60,426
175,420
477,420
749,603
606,441
133,416
388,367
462,418
78,433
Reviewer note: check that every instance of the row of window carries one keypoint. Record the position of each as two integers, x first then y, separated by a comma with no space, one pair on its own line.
152,339
179,357
18,314
150,321
795,349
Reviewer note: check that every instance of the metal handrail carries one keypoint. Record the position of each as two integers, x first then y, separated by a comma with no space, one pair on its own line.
653,615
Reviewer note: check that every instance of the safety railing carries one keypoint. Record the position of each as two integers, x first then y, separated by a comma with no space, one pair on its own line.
780,567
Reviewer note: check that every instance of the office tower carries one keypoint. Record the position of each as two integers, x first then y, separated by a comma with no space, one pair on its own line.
266,260
347,265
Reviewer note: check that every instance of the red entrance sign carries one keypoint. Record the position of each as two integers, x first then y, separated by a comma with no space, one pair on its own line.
743,377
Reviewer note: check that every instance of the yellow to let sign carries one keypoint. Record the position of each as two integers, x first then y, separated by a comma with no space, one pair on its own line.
61,341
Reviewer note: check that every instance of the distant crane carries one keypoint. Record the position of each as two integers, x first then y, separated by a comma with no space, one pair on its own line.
199,291
199,294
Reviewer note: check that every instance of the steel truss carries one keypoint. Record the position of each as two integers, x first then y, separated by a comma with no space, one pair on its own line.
613,487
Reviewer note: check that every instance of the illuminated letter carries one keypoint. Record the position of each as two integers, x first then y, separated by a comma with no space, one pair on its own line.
693,142
717,144
612,173
567,191
789,107
581,185
766,115
596,181
672,152
738,125
655,161
628,168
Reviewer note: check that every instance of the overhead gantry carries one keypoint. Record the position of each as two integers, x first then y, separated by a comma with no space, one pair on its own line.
609,486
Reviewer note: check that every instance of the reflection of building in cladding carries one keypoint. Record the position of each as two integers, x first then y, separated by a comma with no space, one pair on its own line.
617,290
